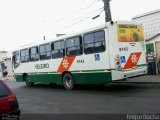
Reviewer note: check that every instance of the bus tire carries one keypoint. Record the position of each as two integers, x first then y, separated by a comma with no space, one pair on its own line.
68,81
27,81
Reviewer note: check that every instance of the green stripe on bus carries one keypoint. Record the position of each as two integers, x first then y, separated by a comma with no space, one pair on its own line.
142,65
92,70
83,78
78,71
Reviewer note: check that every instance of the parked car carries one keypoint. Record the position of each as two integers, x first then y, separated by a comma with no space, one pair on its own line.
9,107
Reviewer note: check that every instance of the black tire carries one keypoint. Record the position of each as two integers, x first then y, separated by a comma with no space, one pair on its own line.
68,81
27,81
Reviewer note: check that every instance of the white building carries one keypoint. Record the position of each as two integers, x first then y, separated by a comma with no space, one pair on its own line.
151,26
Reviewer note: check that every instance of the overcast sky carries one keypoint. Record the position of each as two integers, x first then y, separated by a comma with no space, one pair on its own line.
27,21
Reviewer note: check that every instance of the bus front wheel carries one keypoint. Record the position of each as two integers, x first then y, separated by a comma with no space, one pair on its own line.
68,81
27,81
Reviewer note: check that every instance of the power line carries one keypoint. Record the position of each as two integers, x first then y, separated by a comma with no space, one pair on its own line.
75,12
82,19
76,23
88,13
91,4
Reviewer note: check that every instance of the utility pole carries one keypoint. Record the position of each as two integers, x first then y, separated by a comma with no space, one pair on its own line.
107,10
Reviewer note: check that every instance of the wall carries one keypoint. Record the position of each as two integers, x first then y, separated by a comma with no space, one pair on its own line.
150,22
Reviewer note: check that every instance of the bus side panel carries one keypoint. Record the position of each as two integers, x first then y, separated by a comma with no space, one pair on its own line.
91,68
94,68
98,78
92,77
19,78
79,78
46,78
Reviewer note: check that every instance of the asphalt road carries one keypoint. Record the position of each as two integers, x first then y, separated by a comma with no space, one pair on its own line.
115,98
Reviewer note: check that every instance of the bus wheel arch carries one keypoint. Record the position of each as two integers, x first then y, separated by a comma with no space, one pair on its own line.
68,80
27,80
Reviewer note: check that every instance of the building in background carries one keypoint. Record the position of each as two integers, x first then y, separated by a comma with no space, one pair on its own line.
5,61
151,26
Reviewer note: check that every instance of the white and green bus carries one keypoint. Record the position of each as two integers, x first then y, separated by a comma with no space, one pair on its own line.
109,52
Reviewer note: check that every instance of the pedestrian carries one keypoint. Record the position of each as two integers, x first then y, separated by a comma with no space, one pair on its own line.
5,73
158,66
151,63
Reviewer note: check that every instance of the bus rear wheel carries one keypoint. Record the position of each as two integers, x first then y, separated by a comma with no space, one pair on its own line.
68,81
27,81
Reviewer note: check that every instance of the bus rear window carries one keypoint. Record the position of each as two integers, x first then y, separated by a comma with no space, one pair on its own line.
130,33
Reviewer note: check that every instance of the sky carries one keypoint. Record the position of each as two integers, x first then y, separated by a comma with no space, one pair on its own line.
25,22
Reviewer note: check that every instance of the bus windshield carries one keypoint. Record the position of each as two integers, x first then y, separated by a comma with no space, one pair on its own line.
129,33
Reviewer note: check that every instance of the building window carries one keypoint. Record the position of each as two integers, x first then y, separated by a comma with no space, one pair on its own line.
74,46
34,54
58,50
45,52
94,42
24,56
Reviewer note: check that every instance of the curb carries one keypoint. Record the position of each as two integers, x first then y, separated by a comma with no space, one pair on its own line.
10,80
138,82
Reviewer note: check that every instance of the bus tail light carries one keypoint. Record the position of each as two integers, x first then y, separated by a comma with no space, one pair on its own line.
117,62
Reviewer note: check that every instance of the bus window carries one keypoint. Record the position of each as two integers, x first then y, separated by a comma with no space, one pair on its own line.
74,46
34,54
94,42
15,59
45,52
24,55
58,49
